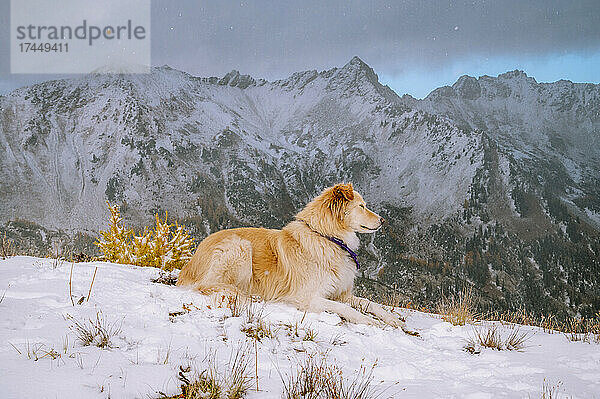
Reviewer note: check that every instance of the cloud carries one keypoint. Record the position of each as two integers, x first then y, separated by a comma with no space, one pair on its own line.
272,39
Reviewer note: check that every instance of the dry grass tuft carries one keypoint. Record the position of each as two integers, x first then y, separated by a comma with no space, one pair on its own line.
310,334
238,376
259,330
516,340
233,382
309,381
162,357
7,248
458,311
203,385
299,332
548,323
314,378
37,351
550,391
166,278
167,246
574,329
585,330
57,258
293,330
359,388
97,332
255,326
338,340
238,305
489,336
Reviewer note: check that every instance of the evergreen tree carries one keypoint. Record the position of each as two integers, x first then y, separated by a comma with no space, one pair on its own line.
115,242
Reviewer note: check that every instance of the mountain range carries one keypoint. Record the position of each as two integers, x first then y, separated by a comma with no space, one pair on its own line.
491,183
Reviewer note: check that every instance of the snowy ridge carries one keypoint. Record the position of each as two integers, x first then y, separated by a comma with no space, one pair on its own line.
73,144
434,365
538,119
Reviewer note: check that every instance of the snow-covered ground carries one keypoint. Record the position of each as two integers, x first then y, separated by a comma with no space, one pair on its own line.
36,313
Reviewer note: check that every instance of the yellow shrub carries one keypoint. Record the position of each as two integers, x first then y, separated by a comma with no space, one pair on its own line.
168,246
115,242
142,249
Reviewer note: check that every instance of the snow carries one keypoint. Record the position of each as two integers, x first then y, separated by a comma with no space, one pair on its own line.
36,305
595,216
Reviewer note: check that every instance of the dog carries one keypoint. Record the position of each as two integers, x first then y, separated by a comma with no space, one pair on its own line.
310,263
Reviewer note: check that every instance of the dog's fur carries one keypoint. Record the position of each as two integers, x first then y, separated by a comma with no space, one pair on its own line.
297,264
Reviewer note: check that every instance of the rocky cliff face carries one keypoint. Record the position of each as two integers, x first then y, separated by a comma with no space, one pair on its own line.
480,180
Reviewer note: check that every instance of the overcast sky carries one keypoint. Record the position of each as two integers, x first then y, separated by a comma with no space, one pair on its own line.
414,46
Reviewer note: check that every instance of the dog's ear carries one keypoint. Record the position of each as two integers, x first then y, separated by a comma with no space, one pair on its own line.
343,192
338,197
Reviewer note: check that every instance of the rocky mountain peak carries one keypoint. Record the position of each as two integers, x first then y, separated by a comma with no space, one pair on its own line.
235,79
299,80
471,88
357,62
516,78
358,68
516,74
358,77
467,87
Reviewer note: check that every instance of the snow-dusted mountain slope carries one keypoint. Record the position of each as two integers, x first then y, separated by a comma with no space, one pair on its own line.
152,140
530,119
151,345
491,183
541,127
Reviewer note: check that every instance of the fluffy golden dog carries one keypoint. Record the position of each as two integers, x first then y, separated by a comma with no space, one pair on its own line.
299,264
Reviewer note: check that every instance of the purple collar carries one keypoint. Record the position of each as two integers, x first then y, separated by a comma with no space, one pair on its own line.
339,242
343,245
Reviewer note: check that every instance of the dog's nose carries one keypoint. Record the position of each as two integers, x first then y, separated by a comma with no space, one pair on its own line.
382,220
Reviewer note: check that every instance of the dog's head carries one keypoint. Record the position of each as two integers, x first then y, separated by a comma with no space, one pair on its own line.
340,209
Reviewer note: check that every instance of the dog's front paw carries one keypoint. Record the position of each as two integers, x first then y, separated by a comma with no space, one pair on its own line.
360,319
394,322
364,319
390,319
